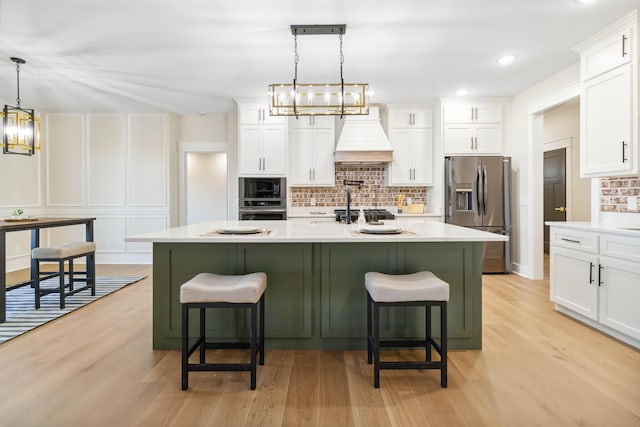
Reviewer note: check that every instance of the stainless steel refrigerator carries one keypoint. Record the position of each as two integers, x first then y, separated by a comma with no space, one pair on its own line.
477,195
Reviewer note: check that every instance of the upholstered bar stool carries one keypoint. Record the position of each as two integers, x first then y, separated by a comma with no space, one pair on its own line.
66,252
208,290
422,289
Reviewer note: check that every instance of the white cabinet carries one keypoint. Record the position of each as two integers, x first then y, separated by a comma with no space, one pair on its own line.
595,277
609,101
472,128
411,135
312,144
262,142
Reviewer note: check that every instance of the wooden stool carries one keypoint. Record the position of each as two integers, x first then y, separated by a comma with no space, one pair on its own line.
208,290
61,254
423,289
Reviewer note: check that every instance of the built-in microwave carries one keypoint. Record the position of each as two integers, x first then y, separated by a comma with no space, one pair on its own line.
263,188
262,198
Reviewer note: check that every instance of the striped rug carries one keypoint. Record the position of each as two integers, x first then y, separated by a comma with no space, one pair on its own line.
23,317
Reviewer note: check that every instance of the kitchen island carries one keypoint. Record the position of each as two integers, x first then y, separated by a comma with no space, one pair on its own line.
315,295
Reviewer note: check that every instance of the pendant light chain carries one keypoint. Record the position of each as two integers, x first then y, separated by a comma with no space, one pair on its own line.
341,79
295,75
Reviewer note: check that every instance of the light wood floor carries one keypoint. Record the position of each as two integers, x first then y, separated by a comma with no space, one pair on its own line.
95,367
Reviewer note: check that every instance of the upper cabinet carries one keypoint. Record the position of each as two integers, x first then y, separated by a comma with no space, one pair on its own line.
311,145
473,128
609,101
410,132
262,141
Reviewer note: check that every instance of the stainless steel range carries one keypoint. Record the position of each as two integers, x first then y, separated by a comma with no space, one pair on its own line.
371,215
263,199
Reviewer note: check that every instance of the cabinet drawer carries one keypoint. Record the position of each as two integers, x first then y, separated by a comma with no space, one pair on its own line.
620,247
574,239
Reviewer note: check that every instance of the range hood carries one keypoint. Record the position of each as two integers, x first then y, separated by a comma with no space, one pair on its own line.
363,141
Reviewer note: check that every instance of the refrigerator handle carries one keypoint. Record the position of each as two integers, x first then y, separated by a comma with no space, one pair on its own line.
477,201
484,189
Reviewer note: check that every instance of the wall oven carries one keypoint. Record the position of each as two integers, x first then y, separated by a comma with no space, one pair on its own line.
262,198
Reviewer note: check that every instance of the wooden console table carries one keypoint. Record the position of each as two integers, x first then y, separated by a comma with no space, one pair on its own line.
35,226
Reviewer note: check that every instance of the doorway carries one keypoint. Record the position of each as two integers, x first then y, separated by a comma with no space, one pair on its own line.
203,187
206,187
555,189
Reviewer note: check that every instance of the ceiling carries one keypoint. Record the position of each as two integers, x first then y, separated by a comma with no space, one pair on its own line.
195,56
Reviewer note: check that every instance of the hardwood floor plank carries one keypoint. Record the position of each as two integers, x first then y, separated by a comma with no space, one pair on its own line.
95,366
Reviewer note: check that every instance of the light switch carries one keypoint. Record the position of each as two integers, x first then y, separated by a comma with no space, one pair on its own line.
632,203
312,201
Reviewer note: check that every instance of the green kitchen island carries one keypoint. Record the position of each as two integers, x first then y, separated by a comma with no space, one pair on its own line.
315,297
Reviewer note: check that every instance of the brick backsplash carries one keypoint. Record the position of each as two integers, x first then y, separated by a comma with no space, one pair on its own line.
615,191
373,193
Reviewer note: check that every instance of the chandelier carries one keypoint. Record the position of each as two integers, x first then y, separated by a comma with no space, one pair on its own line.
20,127
310,99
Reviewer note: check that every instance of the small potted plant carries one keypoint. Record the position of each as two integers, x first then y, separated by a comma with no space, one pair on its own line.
17,213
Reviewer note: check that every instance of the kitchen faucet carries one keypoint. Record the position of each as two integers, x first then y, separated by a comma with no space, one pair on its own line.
347,183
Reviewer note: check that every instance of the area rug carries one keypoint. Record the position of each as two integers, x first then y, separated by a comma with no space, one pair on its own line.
23,317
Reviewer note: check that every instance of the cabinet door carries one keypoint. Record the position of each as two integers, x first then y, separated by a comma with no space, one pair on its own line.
301,157
423,118
619,295
606,55
462,113
422,143
488,139
459,139
400,168
606,125
323,170
574,281
400,117
250,114
274,150
304,122
249,156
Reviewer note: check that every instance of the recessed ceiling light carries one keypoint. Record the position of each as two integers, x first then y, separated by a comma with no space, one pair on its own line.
462,92
506,59
584,1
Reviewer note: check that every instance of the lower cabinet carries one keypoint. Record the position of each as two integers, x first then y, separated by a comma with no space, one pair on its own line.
344,295
595,277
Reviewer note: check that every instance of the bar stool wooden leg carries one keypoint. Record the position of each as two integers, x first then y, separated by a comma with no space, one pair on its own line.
443,344
185,346
369,332
427,323
253,343
62,291
376,345
262,330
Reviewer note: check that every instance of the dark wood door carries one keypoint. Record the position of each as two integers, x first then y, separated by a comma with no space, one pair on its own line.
555,190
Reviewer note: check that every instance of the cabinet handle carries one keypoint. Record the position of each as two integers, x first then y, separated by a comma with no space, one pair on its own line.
624,39
590,273
476,108
600,275
570,240
314,174
472,143
472,117
264,163
476,140
309,174
624,146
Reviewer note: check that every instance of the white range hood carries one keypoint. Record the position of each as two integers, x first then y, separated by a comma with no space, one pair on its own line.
363,141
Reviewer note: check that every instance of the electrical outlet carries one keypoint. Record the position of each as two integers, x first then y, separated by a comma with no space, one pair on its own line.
18,250
312,201
632,203
409,201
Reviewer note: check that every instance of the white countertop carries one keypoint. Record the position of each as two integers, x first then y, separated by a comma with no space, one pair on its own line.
328,212
414,230
627,230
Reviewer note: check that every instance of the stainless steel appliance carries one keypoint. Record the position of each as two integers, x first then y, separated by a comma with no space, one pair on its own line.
371,215
477,195
262,198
